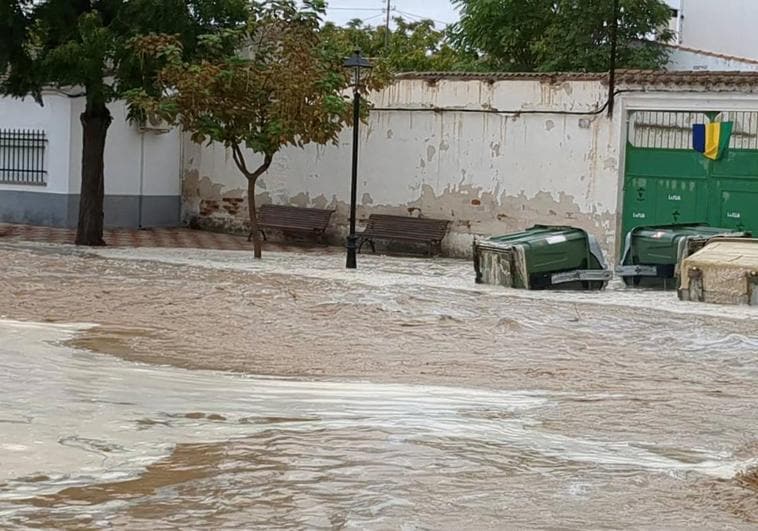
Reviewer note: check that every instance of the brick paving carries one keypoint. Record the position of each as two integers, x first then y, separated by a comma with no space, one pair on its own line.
169,237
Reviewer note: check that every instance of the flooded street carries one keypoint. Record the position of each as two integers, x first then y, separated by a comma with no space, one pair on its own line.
174,389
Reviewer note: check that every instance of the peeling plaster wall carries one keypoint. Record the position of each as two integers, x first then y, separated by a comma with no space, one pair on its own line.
489,173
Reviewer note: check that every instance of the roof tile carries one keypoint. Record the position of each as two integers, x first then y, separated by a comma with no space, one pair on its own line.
623,77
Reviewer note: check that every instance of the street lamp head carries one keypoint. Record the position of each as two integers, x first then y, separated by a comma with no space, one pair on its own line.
359,65
357,61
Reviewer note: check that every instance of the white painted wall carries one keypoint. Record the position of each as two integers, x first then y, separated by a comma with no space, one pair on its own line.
143,170
723,26
675,21
159,163
59,118
682,59
489,173
53,118
486,172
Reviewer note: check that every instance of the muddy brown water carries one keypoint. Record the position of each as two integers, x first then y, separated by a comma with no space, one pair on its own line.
400,396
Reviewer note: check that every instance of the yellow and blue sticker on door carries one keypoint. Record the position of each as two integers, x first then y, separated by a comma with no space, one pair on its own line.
711,139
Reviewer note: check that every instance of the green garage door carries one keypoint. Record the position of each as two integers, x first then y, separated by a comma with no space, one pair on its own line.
666,181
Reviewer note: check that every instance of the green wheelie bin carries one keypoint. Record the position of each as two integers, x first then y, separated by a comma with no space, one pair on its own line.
651,254
542,257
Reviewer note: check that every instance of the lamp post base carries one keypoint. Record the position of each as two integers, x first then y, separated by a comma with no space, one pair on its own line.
351,251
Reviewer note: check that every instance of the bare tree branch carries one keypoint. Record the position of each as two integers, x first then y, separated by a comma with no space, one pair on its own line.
239,160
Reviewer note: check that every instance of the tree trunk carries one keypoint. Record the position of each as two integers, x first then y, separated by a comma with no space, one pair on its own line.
257,240
95,122
252,178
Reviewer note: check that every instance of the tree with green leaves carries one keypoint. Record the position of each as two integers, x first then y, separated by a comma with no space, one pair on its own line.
85,46
562,35
277,83
408,47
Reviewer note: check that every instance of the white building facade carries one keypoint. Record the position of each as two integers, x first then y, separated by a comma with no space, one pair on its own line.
495,154
40,180
491,153
725,27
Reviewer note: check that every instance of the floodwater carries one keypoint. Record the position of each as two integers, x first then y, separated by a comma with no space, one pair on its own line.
480,409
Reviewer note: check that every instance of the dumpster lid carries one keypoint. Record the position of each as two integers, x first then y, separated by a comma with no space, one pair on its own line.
693,230
696,229
557,235
727,252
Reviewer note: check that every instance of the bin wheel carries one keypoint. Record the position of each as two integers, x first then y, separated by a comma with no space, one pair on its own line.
632,281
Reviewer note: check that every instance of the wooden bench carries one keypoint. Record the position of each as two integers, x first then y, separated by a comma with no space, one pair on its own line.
403,228
312,221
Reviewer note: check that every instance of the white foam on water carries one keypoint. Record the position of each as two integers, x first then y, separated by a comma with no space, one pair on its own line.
398,272
82,418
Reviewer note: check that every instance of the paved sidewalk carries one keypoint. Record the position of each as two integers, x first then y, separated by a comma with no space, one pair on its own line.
169,237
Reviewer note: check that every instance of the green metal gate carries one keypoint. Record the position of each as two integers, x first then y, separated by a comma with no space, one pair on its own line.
666,181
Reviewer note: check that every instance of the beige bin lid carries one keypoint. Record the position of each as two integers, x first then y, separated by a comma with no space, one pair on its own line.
727,252
725,265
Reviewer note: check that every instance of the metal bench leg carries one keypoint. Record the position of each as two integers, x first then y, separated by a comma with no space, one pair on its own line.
434,249
370,242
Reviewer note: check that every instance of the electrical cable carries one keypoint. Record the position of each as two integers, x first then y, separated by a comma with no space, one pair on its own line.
355,9
420,17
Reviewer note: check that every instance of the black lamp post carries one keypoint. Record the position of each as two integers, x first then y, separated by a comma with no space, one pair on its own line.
358,66
612,67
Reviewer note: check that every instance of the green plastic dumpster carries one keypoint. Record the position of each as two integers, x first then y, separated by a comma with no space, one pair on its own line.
652,253
541,257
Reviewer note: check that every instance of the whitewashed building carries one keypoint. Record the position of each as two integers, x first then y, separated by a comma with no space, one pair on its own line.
491,153
498,153
725,27
40,166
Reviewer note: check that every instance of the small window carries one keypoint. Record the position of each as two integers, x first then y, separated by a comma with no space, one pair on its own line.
22,156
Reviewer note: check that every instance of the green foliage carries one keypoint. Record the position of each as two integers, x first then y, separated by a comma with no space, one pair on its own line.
14,26
279,84
561,35
86,43
410,46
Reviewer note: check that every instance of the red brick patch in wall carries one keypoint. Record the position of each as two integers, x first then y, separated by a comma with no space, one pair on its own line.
231,205
208,207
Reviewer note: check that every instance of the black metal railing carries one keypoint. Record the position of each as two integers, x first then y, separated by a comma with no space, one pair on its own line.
663,129
22,156
673,129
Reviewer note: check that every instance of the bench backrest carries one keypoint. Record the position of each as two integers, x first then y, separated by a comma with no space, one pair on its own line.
403,227
296,217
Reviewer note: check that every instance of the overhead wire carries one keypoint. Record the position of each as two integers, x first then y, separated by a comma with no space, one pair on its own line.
372,17
355,9
383,10
420,17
